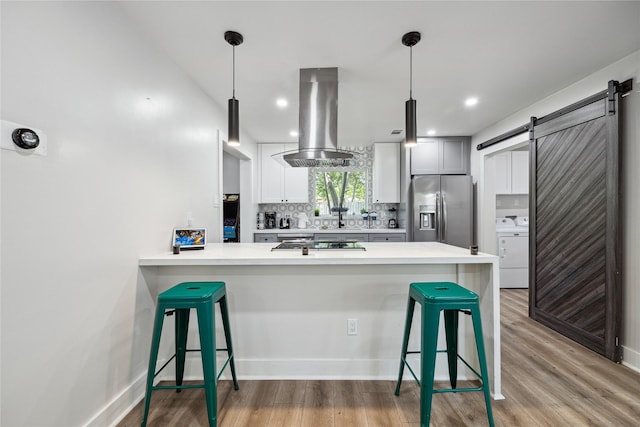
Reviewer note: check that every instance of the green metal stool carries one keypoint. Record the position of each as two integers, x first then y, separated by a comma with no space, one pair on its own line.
179,300
450,298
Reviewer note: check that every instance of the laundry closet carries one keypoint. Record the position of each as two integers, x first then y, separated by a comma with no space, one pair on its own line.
512,217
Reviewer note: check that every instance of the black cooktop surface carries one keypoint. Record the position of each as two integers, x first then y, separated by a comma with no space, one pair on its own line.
320,245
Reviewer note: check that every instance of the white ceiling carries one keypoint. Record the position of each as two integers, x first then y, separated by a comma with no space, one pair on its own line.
508,54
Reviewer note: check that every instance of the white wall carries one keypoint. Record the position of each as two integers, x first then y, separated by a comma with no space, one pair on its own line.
622,70
120,173
231,175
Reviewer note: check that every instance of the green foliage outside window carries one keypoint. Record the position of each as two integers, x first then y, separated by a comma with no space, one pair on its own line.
340,190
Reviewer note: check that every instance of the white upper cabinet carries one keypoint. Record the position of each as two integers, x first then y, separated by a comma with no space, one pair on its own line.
386,172
503,173
512,172
440,156
520,172
277,183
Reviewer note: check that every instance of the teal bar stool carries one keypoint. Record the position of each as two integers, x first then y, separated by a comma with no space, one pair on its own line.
450,298
179,300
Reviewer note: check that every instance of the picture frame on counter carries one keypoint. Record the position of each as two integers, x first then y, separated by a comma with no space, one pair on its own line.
190,238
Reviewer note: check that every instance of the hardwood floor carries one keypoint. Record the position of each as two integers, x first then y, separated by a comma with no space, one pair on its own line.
547,379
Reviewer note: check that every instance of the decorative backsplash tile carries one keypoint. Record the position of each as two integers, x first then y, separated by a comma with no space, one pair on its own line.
363,159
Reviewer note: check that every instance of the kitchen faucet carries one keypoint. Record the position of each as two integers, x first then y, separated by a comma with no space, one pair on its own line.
340,223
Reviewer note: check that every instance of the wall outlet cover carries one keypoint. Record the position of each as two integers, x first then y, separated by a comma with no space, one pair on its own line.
352,326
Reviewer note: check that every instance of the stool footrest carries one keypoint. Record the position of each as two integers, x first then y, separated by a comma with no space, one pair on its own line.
415,377
455,390
178,387
175,354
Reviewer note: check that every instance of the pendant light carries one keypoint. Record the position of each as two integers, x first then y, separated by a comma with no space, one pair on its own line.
410,39
234,39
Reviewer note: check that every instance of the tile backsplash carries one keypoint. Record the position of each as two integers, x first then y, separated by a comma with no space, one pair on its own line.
384,212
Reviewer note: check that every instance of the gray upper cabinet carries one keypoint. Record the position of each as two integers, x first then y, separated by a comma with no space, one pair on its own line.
441,156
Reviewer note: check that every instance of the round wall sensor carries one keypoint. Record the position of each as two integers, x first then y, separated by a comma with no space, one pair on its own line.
25,138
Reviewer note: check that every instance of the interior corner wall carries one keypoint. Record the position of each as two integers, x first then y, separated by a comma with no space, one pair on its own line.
231,180
132,148
626,68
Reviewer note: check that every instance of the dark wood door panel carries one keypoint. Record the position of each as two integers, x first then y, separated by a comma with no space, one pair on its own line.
570,220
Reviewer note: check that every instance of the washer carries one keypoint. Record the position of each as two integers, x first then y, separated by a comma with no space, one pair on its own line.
513,250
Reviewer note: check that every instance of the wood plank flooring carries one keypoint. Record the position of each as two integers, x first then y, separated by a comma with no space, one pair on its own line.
547,379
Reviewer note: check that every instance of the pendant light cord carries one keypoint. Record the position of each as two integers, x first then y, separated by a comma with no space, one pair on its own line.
234,73
410,72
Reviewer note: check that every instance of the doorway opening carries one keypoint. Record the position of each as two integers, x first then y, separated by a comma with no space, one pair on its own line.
505,210
235,181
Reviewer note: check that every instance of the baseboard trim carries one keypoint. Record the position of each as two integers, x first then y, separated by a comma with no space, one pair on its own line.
631,358
317,369
114,411
121,405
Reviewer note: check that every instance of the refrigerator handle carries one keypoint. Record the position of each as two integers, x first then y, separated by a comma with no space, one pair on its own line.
444,218
438,218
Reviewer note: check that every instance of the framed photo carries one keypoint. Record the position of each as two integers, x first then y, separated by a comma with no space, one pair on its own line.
190,238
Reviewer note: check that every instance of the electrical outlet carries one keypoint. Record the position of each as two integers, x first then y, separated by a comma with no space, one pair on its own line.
352,326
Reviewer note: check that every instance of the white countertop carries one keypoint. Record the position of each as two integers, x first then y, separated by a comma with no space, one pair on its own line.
329,230
376,253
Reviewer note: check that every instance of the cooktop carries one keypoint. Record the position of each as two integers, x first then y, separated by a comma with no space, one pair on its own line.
320,245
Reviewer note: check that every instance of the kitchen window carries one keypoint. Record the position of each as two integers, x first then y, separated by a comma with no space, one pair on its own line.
340,190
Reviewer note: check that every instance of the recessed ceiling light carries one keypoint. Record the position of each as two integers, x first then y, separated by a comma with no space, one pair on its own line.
294,133
431,132
281,102
470,102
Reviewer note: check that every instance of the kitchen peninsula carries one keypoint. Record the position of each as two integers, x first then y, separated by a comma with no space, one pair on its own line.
289,311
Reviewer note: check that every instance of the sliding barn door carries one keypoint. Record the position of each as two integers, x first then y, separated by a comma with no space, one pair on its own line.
574,253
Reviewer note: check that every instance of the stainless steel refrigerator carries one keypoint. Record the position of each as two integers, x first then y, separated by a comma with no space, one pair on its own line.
441,209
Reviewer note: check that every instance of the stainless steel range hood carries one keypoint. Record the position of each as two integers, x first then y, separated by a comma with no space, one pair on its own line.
318,121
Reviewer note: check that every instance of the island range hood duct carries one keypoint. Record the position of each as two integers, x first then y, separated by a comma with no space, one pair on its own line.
318,122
